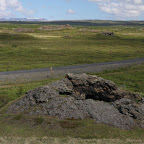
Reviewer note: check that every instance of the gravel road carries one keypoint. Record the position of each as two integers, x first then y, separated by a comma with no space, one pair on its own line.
45,73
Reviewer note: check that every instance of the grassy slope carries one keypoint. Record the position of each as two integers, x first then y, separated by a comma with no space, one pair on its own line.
24,126
22,51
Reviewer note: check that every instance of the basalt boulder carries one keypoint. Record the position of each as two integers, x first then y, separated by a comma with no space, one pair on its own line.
132,109
97,88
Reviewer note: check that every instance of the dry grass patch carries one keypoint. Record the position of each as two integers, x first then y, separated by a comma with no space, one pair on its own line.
133,34
43,36
68,140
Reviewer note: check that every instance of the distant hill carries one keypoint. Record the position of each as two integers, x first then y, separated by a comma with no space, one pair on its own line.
24,19
43,21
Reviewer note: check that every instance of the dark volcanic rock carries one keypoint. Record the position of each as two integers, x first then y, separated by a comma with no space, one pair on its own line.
93,87
41,95
63,107
78,109
34,97
131,108
63,86
75,97
107,33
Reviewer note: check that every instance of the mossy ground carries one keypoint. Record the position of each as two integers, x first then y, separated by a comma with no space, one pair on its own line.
38,126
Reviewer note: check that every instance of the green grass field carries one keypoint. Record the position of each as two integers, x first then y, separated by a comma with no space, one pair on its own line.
42,49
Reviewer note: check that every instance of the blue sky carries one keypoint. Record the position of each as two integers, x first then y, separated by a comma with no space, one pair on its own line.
73,9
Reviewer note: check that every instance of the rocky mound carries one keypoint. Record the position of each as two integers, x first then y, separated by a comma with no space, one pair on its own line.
79,96
89,30
67,26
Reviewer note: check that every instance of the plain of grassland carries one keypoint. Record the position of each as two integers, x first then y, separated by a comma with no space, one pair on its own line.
21,127
38,50
42,49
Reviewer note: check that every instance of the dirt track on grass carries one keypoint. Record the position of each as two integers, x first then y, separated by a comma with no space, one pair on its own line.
45,73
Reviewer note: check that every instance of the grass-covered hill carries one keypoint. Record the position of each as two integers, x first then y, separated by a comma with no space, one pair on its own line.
81,22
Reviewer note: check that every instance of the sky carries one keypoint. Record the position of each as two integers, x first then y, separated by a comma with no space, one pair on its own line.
73,9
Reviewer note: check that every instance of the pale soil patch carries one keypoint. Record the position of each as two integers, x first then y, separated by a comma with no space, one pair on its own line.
132,34
8,86
45,48
31,34
46,140
7,31
1,45
43,36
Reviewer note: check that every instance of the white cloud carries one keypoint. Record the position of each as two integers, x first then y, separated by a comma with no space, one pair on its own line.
8,8
122,9
70,11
